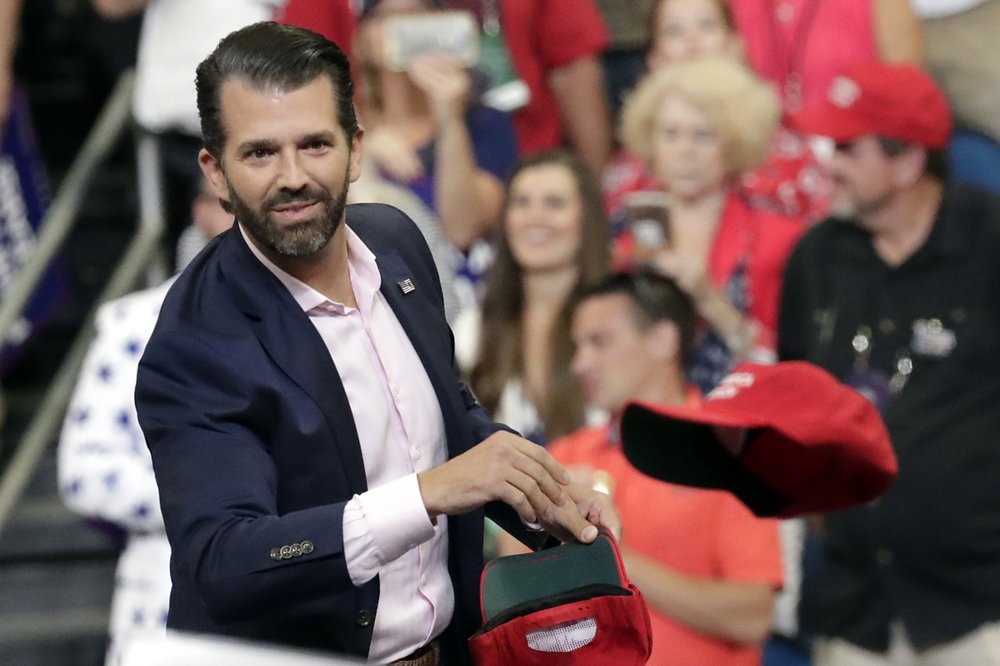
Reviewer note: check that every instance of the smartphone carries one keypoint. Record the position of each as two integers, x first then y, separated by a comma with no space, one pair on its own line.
647,215
407,36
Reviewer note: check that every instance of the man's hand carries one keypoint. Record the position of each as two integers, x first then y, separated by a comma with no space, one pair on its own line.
513,470
593,506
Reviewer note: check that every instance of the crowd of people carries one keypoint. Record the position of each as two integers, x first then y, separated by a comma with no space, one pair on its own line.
806,208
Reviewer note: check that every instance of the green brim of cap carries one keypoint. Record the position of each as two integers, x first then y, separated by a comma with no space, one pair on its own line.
523,581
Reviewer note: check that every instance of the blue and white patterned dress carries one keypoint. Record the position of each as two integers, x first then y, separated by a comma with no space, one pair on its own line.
105,470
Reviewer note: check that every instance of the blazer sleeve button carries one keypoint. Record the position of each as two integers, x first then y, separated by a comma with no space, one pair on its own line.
286,552
307,547
275,554
296,550
363,618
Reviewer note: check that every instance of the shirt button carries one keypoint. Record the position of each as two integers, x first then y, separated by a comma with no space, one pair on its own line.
415,452
394,387
363,618
883,556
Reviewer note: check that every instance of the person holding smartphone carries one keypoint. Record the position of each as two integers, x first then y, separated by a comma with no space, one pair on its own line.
699,126
424,132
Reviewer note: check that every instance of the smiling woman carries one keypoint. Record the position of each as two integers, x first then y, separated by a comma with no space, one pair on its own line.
517,350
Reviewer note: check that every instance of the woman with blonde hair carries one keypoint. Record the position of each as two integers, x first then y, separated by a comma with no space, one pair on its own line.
789,180
516,351
699,126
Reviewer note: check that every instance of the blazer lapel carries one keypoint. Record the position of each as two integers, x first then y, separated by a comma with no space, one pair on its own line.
295,346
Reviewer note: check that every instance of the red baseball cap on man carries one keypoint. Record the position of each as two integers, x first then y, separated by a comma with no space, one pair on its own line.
891,100
787,439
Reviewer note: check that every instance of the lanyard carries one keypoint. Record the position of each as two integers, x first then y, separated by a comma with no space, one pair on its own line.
491,18
788,48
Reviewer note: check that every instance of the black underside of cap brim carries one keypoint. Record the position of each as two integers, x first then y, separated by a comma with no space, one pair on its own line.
688,454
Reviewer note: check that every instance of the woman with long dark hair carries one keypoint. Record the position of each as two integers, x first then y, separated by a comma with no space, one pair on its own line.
516,350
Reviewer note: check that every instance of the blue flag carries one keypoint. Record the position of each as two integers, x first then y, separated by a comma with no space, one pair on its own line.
24,197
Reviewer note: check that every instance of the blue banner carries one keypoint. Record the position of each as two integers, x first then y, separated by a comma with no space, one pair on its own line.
24,197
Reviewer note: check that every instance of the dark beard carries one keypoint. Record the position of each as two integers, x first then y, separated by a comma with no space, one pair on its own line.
302,239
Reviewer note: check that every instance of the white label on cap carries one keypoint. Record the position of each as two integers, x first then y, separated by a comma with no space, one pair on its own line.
563,637
844,92
731,385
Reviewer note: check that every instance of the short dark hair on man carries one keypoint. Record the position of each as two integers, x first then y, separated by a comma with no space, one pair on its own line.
269,55
654,298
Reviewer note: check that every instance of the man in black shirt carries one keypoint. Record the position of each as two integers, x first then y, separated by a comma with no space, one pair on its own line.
899,296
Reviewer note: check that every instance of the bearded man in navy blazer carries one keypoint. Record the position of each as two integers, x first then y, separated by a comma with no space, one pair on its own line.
322,470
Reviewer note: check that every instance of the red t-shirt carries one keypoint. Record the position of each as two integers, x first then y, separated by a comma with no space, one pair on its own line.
543,35
765,241
810,39
698,532
331,18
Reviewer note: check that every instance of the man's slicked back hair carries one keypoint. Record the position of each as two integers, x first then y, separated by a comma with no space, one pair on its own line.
271,56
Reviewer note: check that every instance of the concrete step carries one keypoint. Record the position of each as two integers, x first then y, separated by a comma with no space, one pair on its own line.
55,614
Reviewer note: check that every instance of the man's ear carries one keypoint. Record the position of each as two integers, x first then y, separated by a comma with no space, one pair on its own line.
664,340
212,168
910,165
356,154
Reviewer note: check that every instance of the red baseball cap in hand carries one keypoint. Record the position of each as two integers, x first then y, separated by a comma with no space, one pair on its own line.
572,605
787,439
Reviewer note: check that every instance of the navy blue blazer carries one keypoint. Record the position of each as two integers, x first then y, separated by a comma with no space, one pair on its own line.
255,449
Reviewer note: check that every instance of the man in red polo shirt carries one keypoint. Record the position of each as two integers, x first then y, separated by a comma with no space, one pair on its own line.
707,567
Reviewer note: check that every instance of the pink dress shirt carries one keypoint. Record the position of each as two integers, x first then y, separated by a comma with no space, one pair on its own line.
387,532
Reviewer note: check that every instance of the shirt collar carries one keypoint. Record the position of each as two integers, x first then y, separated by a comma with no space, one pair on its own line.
363,269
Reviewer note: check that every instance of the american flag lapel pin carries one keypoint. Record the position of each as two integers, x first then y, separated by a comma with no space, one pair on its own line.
406,286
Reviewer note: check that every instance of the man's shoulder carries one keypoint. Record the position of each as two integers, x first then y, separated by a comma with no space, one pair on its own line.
831,229
975,208
202,300
381,225
825,243
385,230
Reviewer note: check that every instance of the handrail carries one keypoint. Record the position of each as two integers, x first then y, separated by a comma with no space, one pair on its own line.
61,215
59,221
48,418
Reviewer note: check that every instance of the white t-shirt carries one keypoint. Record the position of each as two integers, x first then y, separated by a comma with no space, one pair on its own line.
176,36
929,9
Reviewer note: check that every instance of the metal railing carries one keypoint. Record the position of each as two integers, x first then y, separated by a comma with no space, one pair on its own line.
60,219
